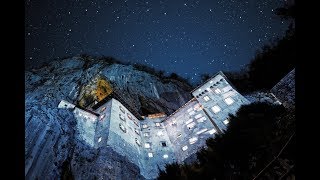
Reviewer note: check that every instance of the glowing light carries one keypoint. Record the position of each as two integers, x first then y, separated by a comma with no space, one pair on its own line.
99,140
184,148
218,91
229,100
150,155
193,140
202,131
147,145
212,131
216,109
189,121
158,124
165,156
226,121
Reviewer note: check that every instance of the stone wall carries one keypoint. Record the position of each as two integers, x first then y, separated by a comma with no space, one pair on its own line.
188,128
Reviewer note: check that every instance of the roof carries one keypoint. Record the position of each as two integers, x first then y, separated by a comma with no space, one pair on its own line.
218,73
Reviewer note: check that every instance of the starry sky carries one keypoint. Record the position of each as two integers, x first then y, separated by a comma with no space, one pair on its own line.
188,37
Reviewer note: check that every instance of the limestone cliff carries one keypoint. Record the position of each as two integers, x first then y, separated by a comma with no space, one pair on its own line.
52,150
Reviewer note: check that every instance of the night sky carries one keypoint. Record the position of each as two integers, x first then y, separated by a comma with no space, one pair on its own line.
188,37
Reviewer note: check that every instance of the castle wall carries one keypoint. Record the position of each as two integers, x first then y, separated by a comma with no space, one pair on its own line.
188,128
103,124
219,99
86,125
157,148
124,133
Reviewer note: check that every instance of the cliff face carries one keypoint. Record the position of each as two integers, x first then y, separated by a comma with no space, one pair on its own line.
50,134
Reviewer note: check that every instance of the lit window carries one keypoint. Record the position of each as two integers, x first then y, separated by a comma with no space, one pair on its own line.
198,116
226,121
202,131
102,116
202,119
165,156
99,140
129,116
218,91
102,109
150,155
208,89
158,124
190,109
184,148
122,128
229,100
189,121
146,134
216,109
212,131
193,140
192,113
137,141
211,82
199,90
206,98
160,133
144,126
136,131
121,108
147,145
191,125
122,117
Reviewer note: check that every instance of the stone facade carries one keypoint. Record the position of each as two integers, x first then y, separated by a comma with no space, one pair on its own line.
159,139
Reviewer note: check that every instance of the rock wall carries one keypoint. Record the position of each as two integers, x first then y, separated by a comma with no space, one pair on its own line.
50,138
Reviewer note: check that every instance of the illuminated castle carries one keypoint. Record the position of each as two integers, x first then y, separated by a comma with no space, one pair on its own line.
153,141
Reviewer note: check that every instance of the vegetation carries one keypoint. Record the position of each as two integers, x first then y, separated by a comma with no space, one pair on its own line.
255,135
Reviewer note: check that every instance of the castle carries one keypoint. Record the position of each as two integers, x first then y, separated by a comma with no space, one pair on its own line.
155,140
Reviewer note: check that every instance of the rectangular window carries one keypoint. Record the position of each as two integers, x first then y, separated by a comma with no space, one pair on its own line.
212,131
218,91
189,121
206,98
216,109
191,125
184,148
198,116
229,100
193,140
202,131
201,119
147,145
158,124
164,144
226,121
165,156
144,126
192,113
150,155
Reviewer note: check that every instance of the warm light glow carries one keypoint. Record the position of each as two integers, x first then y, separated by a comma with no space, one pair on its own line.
229,100
216,109
226,121
184,148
